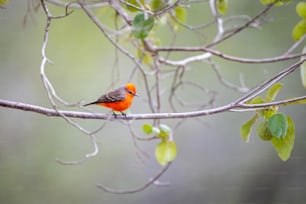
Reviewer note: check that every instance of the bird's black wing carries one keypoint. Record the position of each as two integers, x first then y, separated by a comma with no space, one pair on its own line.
113,96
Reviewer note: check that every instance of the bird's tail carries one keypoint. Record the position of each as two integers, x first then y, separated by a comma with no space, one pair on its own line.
88,104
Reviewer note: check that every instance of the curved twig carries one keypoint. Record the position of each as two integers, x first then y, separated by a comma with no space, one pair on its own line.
75,5
150,182
228,57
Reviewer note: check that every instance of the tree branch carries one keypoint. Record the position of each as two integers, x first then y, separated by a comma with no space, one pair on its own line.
227,57
75,5
74,114
261,13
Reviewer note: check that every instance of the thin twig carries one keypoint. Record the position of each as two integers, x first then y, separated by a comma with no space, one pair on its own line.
97,4
93,18
229,57
225,82
52,95
137,189
268,83
247,24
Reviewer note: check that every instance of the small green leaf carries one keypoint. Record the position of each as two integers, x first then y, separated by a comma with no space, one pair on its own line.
273,91
164,128
263,131
142,25
165,152
245,130
222,6
265,2
165,132
278,125
284,145
180,14
302,101
3,2
146,57
301,9
135,5
299,30
267,113
256,100
278,2
180,17
156,131
147,128
157,5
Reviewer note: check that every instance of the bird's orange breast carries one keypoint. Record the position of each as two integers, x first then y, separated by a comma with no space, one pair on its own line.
119,105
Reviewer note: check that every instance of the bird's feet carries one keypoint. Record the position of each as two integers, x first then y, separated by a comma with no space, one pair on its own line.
122,113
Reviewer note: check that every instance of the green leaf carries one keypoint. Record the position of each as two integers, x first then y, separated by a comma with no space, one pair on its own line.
302,101
273,91
180,14
245,130
284,145
165,132
147,128
135,4
267,113
142,25
278,125
303,69
256,100
157,5
278,2
156,131
3,2
301,9
165,152
164,128
146,57
299,30
263,131
265,2
222,6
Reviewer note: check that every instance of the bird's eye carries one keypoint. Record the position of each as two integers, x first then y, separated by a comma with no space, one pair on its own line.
130,92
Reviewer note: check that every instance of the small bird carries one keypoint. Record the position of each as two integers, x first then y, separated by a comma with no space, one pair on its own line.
118,100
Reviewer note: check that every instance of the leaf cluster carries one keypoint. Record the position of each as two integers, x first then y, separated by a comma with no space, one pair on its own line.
144,21
275,127
165,150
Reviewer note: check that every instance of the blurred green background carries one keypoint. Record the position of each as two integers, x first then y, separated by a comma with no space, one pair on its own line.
213,165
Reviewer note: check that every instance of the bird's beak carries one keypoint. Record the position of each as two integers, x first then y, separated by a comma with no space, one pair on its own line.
135,94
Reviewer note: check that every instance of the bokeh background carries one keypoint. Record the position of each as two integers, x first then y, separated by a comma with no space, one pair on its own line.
213,164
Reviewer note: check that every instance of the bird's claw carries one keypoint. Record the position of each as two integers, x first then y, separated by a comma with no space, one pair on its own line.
122,113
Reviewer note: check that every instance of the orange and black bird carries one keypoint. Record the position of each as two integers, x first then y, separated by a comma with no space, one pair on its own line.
118,100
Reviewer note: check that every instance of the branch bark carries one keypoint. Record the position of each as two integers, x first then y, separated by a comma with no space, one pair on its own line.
85,115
